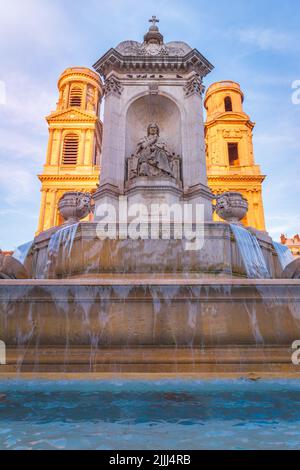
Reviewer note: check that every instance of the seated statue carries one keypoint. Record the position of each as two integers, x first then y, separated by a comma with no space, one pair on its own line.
10,268
152,157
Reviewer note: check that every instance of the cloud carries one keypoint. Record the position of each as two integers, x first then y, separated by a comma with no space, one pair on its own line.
43,24
23,129
283,139
286,224
266,38
17,144
18,185
28,101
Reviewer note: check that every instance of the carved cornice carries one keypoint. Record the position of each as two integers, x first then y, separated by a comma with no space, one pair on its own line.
72,115
234,178
114,60
229,118
60,178
73,73
198,190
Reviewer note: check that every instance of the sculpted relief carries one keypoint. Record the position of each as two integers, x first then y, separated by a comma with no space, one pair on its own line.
152,157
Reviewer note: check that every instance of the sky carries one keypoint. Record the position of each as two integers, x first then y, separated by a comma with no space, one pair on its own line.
256,43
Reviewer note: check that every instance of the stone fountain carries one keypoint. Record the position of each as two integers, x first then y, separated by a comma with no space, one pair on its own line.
177,293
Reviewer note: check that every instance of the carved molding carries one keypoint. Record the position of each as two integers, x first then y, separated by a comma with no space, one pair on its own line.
114,60
194,87
112,86
228,178
232,134
153,50
91,178
153,89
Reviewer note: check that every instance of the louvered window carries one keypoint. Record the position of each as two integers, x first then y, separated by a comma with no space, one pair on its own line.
233,154
76,97
228,104
70,150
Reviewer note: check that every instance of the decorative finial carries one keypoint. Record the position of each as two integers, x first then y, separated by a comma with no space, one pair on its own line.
154,36
154,20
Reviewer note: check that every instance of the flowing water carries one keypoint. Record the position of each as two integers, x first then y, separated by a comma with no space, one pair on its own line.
251,253
22,252
285,255
60,245
174,415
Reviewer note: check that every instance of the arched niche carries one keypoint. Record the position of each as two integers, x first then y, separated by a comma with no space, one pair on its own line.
153,108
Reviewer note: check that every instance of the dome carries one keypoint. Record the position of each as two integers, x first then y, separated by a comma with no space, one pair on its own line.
128,47
178,48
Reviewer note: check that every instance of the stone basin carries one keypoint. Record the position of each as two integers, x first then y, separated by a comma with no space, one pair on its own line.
157,325
219,255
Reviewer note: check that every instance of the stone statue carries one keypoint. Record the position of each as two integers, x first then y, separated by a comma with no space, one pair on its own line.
10,268
152,157
292,270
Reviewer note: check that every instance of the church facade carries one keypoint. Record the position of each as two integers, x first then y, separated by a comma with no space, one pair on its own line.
77,137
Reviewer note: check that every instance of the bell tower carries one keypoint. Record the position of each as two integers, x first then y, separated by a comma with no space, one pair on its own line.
74,147
229,149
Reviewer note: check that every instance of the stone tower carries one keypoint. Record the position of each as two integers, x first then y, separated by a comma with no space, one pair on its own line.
153,88
229,149
75,137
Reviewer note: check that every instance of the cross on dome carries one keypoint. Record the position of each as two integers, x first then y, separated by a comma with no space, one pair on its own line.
154,20
154,36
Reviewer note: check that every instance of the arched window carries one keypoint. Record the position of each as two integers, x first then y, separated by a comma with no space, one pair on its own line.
70,149
228,104
76,96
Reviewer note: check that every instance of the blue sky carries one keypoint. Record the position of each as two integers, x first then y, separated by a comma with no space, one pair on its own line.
255,43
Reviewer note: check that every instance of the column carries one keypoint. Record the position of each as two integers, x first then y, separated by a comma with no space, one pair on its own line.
90,154
50,146
112,157
81,147
84,97
42,211
55,156
52,207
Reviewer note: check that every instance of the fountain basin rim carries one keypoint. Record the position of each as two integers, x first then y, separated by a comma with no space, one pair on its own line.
158,281
141,376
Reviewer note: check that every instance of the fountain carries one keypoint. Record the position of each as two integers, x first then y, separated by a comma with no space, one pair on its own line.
106,296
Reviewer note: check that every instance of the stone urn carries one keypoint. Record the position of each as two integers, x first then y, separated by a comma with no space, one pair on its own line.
231,206
74,206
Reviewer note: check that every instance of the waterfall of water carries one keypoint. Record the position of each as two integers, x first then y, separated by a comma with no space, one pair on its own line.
285,255
21,252
251,253
61,242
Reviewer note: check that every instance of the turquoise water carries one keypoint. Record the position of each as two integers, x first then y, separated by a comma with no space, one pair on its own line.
223,414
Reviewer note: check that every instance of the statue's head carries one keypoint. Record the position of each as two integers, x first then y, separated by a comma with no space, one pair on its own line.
153,129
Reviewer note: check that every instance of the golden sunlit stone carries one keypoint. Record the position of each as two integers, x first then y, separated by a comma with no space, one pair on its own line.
75,139
229,149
